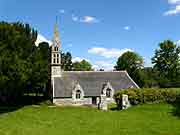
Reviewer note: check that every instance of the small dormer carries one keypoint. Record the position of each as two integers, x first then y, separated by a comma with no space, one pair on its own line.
77,92
107,90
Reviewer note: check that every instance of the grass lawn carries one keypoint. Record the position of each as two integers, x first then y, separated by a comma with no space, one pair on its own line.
151,119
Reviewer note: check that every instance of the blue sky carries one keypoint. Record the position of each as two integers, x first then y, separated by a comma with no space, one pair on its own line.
100,30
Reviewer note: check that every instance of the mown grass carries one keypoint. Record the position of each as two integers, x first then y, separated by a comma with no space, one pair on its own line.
149,119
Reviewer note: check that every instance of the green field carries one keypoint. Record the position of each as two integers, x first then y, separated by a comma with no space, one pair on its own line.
152,119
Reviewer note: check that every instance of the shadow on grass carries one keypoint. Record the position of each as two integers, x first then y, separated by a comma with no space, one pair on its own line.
7,109
24,101
113,107
176,109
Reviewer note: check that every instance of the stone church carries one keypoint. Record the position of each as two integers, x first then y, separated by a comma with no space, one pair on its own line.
84,87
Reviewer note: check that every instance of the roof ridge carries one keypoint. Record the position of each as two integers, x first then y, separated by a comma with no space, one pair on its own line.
124,71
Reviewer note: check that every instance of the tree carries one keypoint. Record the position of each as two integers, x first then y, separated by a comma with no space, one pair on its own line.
82,66
129,61
66,61
16,49
132,63
23,66
166,61
40,68
147,77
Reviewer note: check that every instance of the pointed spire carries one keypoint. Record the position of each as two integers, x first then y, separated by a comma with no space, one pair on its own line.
56,36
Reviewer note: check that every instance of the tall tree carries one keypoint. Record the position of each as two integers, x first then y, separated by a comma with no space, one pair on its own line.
132,63
166,61
66,61
147,77
82,66
129,61
40,68
16,49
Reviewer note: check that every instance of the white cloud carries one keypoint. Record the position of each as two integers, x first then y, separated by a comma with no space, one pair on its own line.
89,19
95,67
62,11
178,42
174,11
127,28
106,65
74,18
173,1
108,53
175,8
41,38
84,19
78,59
147,61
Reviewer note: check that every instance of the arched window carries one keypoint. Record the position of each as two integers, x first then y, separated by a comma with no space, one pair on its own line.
78,94
57,60
54,60
108,93
55,48
54,55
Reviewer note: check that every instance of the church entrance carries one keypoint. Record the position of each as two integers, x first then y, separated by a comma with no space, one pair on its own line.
94,100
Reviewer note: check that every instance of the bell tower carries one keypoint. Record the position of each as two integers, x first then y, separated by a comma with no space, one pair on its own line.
56,53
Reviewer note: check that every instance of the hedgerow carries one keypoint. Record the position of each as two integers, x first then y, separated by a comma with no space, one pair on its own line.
141,96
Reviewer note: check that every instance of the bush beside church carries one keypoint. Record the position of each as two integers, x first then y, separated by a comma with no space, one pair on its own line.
141,96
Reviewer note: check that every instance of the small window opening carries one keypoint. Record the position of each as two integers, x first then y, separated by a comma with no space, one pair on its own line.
78,94
108,93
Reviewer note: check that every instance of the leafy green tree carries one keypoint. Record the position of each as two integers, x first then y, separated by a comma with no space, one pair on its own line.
132,63
166,61
66,61
24,67
40,68
147,77
82,66
129,61
16,49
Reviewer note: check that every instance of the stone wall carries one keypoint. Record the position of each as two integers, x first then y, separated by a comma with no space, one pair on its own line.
101,102
70,101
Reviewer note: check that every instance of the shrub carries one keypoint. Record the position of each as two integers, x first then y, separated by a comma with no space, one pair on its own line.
141,96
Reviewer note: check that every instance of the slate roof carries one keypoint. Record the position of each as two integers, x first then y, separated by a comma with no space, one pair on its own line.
91,82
